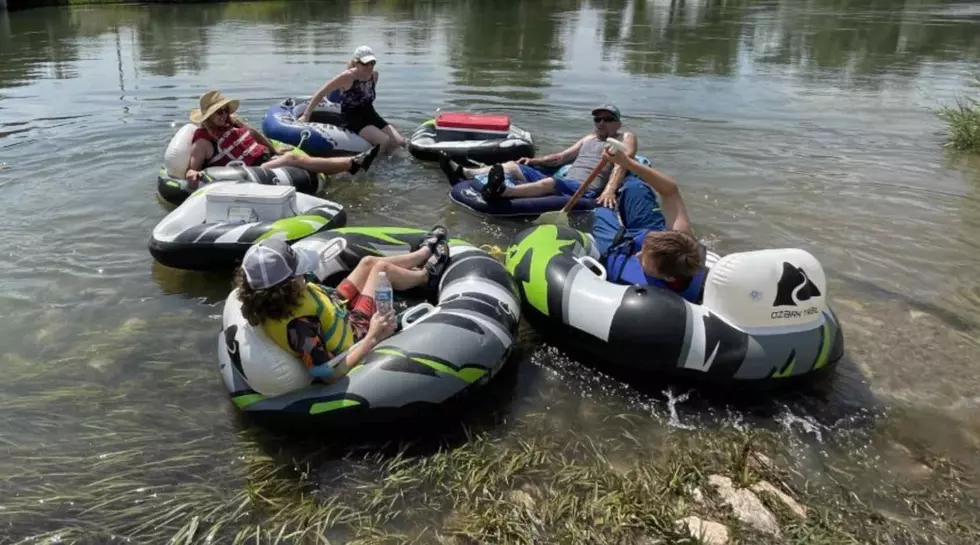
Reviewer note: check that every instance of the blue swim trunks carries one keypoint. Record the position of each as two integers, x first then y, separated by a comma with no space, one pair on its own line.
532,174
638,210
563,186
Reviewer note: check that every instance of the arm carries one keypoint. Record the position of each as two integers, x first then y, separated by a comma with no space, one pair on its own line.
563,157
608,196
200,151
380,328
353,357
675,213
304,337
618,173
340,81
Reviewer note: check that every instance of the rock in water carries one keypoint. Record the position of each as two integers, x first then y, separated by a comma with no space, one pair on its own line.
764,487
710,533
746,506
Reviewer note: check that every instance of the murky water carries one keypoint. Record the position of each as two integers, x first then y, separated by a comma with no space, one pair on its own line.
787,123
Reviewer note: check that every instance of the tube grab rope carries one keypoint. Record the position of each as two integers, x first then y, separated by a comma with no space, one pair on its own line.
303,137
493,250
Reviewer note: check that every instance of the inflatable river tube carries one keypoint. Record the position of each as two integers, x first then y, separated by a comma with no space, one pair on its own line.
469,138
324,136
467,193
176,190
764,319
215,226
439,353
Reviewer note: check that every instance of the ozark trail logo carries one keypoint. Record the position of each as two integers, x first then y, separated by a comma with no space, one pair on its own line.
794,287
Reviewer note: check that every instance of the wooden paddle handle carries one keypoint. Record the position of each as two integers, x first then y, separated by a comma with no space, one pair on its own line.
619,147
585,186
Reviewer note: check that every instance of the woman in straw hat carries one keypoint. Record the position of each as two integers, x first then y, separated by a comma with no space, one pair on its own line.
357,102
223,138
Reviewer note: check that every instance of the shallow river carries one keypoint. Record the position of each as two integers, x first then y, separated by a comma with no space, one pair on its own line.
787,123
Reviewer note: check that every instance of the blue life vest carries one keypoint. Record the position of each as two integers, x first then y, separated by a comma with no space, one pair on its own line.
623,267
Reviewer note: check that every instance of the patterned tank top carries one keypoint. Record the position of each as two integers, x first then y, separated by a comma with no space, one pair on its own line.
361,93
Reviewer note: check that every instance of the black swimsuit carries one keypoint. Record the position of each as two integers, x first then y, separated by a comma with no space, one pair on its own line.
357,107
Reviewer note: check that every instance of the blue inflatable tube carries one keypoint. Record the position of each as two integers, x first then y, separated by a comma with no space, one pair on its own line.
324,136
467,193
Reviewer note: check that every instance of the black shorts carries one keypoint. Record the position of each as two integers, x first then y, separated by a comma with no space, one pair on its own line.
363,116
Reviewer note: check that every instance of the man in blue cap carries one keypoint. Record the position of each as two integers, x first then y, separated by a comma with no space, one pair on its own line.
584,155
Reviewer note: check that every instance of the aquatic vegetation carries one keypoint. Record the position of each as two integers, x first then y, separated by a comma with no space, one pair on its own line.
964,122
533,484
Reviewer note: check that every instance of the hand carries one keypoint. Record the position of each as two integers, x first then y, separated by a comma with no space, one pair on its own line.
524,161
381,326
617,158
283,149
305,118
193,178
608,198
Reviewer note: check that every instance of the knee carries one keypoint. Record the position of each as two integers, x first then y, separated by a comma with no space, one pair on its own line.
369,262
378,265
384,141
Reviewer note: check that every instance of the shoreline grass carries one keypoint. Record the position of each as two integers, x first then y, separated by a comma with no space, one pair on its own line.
156,462
963,121
531,485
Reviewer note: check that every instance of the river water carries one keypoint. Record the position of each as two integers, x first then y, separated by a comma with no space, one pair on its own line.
787,123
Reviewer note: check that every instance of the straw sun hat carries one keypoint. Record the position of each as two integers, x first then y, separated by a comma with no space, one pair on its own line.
211,102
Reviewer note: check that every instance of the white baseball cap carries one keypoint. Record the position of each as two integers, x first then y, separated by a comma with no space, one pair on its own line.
364,54
274,261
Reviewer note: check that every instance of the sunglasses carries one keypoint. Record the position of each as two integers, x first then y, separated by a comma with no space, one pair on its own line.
598,119
224,111
369,63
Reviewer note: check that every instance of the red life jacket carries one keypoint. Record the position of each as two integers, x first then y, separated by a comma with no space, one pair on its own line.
235,144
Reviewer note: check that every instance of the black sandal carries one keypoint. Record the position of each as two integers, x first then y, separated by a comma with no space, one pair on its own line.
435,235
494,188
363,160
453,170
437,263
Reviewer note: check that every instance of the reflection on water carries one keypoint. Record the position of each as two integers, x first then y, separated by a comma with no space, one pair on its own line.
786,123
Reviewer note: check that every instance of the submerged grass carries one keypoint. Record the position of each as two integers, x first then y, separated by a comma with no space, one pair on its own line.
531,485
111,446
964,122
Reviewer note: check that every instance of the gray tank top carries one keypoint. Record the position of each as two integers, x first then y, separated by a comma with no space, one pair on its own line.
588,157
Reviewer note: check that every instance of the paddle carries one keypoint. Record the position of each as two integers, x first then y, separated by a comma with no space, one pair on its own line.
560,217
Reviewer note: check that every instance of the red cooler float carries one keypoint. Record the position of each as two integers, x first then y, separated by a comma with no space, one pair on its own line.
471,138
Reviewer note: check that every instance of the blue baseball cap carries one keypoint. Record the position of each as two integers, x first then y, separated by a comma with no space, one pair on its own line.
612,109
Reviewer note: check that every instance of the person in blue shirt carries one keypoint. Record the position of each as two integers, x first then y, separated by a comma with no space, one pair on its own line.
649,243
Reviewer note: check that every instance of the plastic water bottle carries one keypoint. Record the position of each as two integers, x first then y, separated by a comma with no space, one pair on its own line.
384,296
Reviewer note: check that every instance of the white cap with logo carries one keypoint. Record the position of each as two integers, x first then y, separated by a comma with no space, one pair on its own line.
364,54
